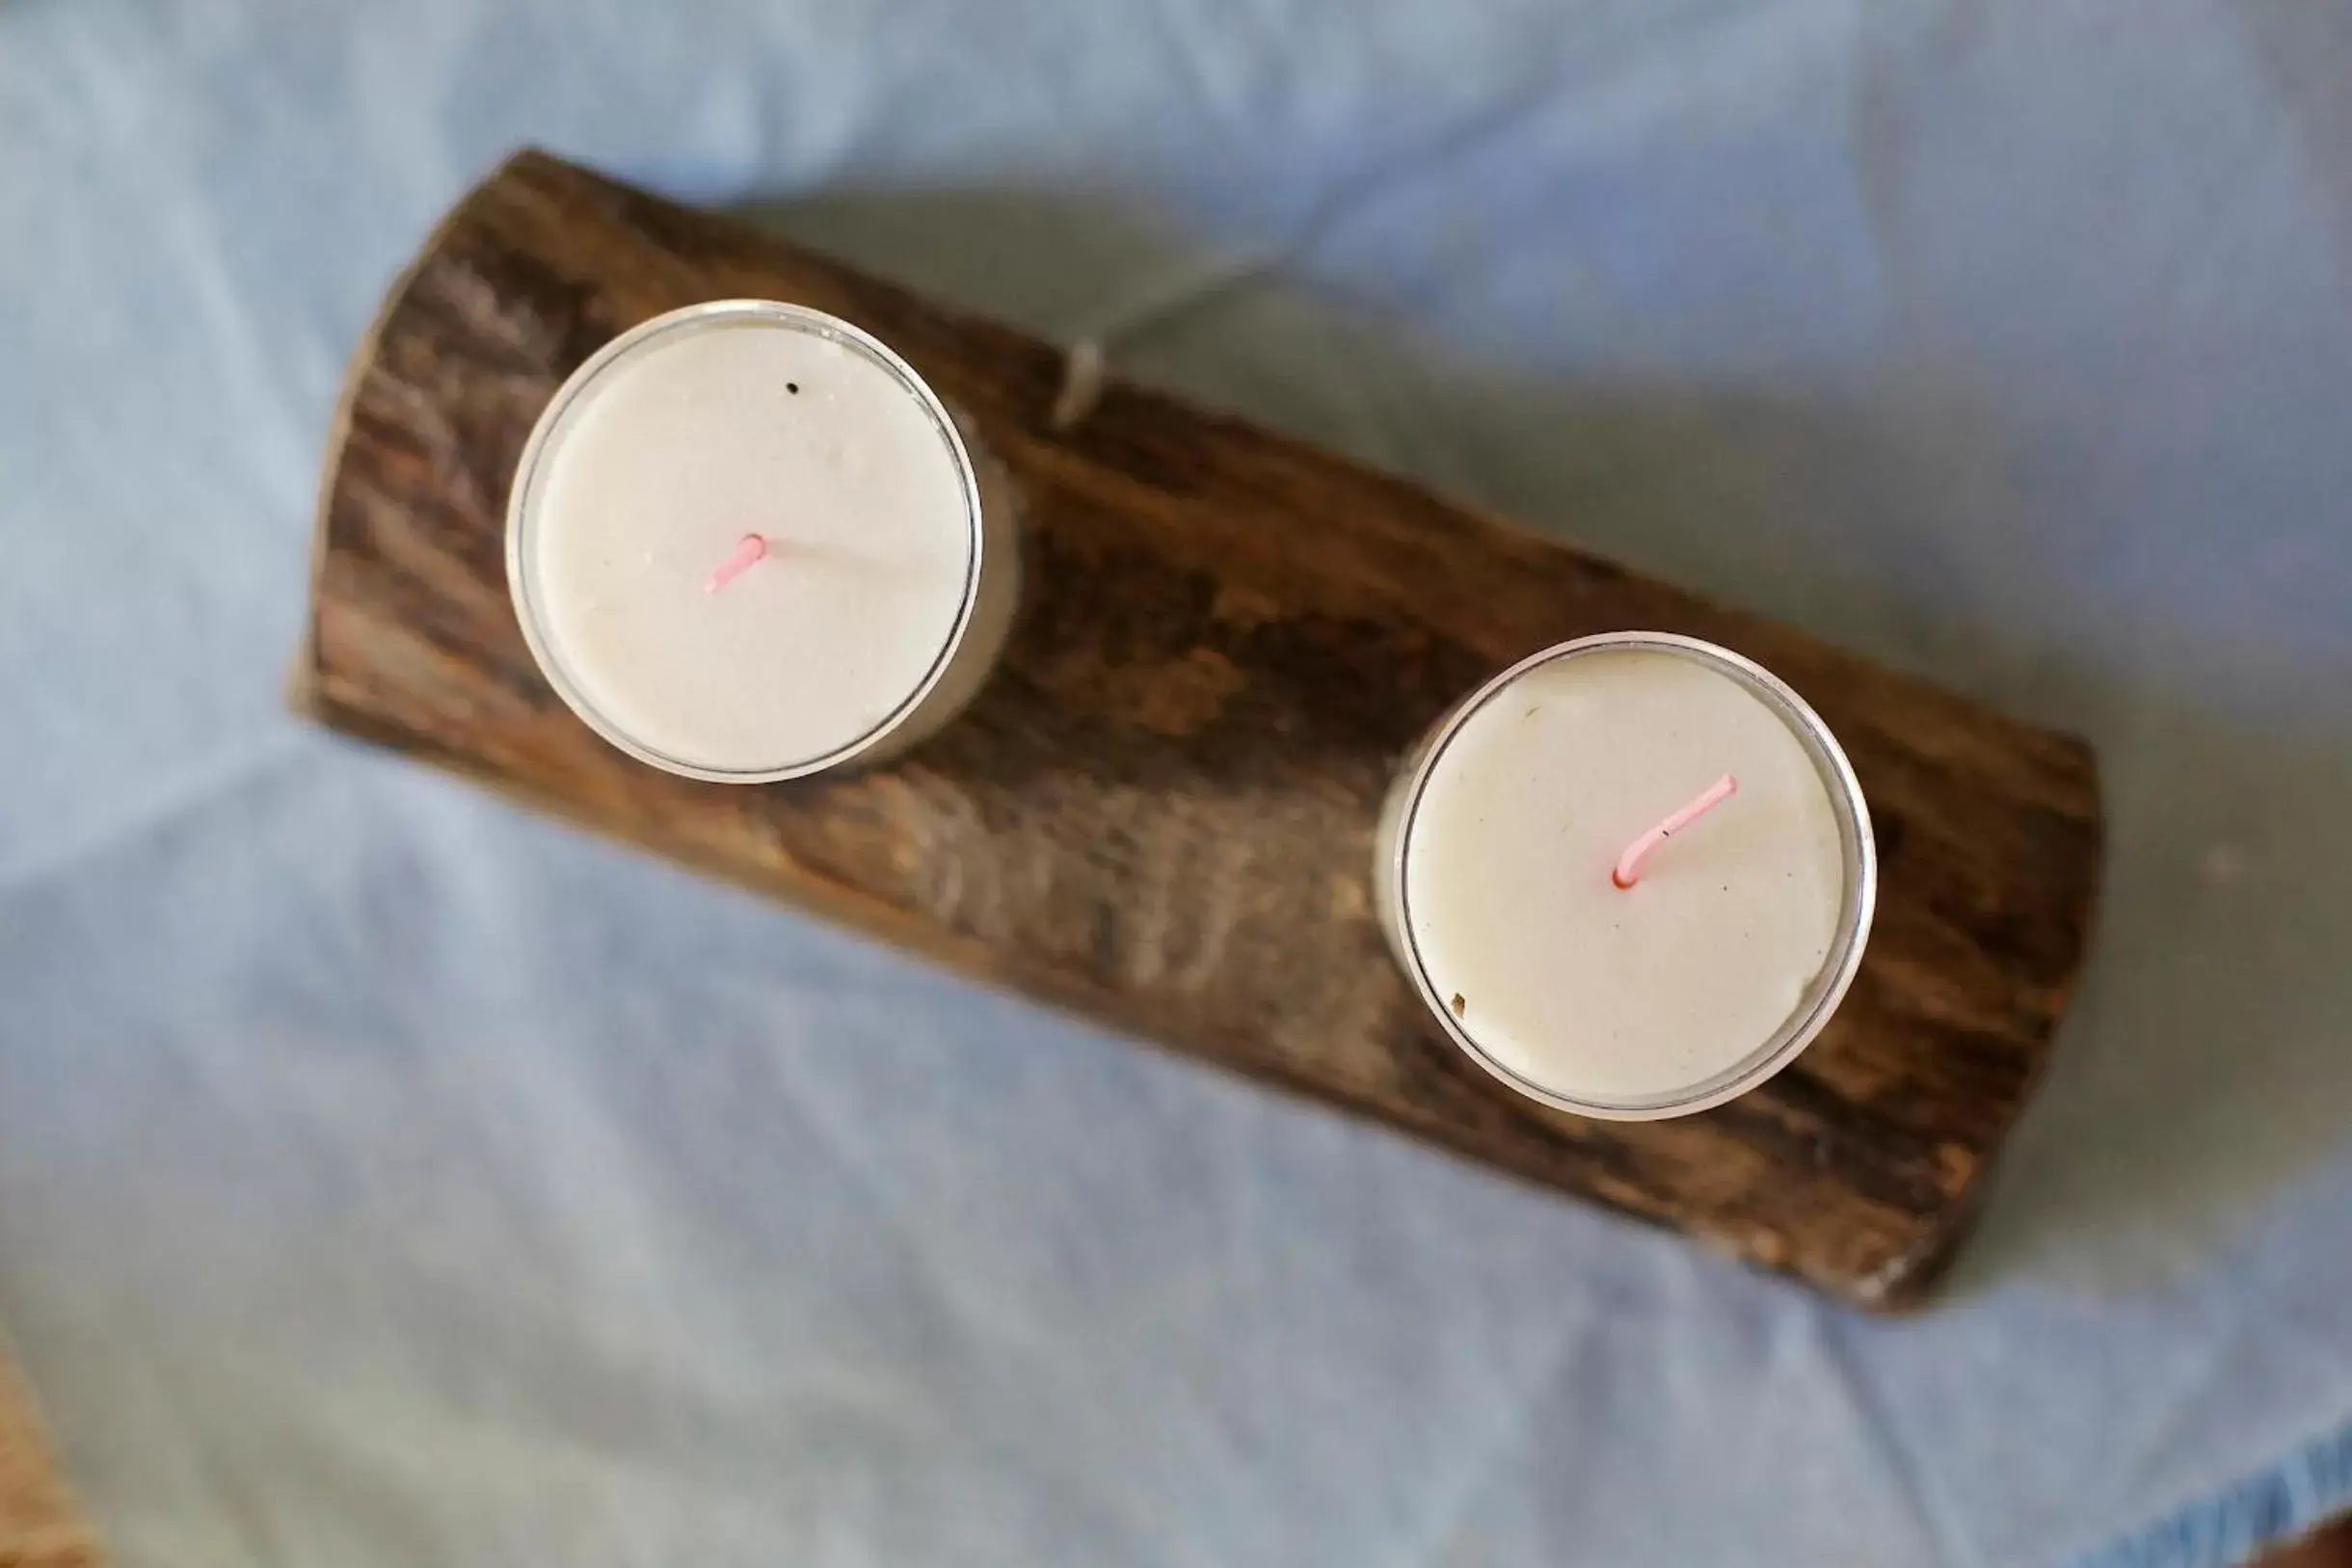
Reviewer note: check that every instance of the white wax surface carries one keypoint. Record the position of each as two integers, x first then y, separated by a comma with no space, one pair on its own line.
659,469
1594,992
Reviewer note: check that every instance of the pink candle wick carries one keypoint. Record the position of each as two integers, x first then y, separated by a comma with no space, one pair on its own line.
1628,869
748,551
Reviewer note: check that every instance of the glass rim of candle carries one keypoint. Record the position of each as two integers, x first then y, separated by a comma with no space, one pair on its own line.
1858,850
549,428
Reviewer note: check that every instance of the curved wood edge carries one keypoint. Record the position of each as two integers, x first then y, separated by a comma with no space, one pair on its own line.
39,1525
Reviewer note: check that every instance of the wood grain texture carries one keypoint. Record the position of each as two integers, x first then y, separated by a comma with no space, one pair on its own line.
38,1526
1160,813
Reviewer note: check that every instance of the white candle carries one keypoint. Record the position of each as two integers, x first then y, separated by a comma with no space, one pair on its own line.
746,543
1742,928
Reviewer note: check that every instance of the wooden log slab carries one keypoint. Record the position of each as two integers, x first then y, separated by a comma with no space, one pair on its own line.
1160,813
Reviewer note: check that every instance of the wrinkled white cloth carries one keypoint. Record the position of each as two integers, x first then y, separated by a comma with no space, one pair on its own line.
390,1178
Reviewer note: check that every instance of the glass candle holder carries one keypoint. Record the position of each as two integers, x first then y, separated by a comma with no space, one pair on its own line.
746,543
1498,866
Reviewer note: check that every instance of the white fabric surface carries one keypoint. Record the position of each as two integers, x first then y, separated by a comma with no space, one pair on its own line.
387,1176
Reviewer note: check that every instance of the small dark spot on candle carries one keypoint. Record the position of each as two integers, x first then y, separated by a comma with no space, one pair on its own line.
1531,713
1459,1005
793,386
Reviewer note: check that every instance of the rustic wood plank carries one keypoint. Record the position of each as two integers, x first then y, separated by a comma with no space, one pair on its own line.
1159,813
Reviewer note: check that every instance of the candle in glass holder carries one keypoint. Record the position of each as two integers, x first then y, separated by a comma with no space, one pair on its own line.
746,543
1631,876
